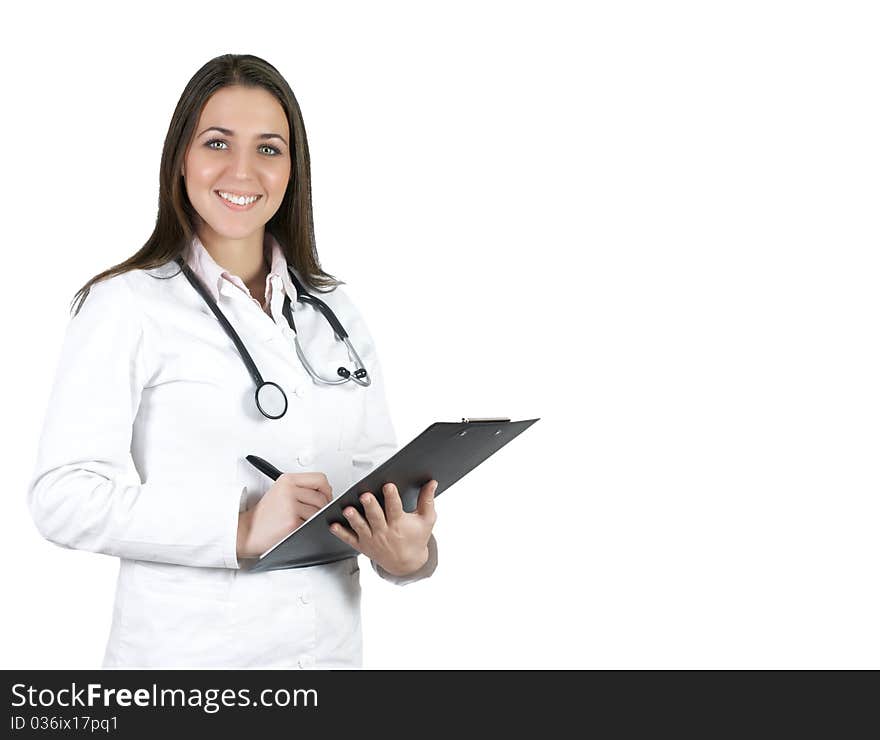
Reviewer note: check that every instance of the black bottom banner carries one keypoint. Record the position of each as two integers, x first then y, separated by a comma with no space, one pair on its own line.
135,703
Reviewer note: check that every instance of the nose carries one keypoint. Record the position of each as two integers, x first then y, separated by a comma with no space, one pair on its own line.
244,165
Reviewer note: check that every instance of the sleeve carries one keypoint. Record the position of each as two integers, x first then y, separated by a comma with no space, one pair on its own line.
86,492
376,440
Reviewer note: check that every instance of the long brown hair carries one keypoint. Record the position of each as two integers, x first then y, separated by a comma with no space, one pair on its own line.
292,225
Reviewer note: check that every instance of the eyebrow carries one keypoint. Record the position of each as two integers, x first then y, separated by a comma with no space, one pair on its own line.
229,132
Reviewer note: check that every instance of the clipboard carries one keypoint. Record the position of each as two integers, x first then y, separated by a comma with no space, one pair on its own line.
445,452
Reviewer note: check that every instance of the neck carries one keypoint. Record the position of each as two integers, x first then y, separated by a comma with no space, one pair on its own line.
241,257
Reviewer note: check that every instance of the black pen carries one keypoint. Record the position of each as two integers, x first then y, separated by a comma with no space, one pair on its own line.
264,467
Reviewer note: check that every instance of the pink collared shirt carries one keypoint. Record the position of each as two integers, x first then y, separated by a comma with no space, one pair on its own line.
211,274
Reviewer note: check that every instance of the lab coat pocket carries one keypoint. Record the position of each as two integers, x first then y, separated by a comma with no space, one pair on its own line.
198,368
173,629
170,579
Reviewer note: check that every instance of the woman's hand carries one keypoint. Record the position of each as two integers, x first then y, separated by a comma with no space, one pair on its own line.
292,500
396,540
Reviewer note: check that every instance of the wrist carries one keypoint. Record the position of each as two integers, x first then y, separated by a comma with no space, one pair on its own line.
409,567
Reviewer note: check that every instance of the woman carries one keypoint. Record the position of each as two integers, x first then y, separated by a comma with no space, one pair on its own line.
153,410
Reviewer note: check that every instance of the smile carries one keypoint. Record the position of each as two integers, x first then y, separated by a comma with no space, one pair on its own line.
237,202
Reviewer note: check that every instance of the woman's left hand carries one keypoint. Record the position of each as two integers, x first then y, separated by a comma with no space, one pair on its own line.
395,539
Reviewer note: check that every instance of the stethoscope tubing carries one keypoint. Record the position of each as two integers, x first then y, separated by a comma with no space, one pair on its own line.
360,375
341,334
233,335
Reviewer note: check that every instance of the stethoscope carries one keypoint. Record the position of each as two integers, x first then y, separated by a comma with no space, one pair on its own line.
270,397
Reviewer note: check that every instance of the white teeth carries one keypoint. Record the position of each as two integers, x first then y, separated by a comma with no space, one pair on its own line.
238,199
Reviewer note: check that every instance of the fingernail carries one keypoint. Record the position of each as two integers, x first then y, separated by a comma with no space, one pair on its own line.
365,498
387,488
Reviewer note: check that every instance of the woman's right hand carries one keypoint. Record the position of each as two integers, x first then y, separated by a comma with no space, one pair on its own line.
292,499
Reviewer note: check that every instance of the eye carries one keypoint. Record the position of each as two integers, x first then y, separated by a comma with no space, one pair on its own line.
275,150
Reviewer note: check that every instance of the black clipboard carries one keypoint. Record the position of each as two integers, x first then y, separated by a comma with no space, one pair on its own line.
445,452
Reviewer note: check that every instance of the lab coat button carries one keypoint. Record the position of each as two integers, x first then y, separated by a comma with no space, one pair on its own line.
306,661
305,458
304,598
300,391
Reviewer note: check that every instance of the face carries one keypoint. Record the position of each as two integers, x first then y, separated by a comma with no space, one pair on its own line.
239,161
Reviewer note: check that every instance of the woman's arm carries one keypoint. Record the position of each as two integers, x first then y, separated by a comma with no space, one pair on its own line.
86,492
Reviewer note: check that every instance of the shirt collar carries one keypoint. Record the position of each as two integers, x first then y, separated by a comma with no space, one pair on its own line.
278,267
212,274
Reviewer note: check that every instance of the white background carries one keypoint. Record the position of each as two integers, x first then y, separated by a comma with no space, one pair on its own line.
652,225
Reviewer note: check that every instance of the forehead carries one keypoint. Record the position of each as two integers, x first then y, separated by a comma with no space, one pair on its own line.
244,110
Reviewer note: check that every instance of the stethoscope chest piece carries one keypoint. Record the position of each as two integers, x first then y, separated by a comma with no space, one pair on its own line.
271,399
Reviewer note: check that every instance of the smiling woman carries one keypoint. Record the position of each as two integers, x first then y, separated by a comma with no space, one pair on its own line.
152,412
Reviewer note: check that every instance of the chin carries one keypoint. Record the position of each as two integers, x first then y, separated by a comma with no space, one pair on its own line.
229,229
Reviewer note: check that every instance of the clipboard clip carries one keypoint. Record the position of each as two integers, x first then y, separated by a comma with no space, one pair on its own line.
489,419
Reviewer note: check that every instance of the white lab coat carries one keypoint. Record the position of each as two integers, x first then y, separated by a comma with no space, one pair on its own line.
142,456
